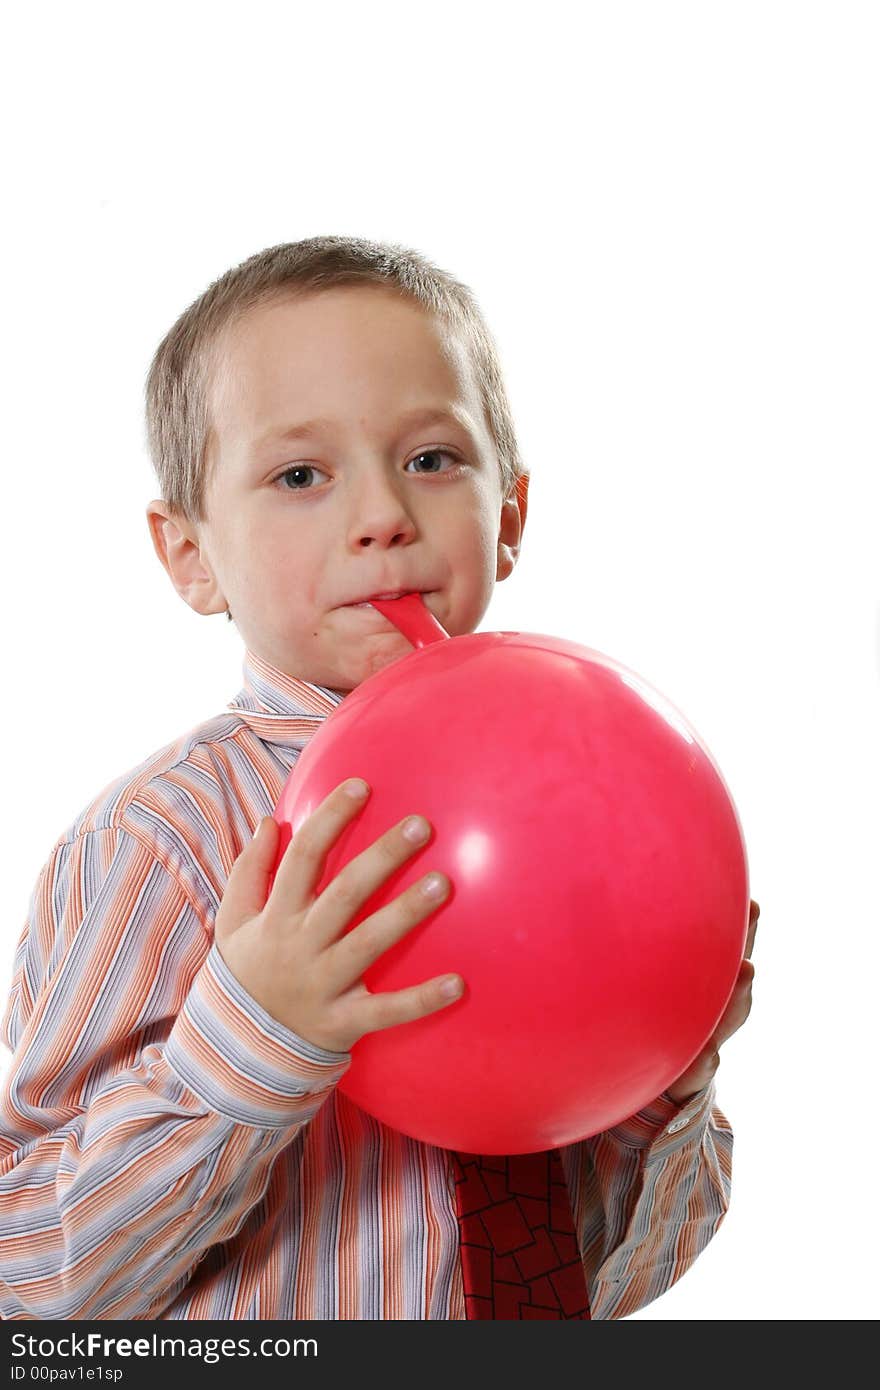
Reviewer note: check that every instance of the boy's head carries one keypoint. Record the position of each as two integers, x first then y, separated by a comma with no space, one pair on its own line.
328,422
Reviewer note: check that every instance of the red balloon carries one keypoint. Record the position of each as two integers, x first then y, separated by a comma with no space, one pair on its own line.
599,903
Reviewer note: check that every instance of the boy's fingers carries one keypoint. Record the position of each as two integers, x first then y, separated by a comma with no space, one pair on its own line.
740,1004
302,865
248,883
380,1011
264,847
358,949
754,914
355,884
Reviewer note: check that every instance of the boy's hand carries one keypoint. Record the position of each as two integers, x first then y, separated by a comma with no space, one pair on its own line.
704,1067
291,951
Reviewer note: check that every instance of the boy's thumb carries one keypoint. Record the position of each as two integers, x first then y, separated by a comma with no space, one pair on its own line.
247,887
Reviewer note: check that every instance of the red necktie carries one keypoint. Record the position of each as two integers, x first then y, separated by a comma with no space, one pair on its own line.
519,1254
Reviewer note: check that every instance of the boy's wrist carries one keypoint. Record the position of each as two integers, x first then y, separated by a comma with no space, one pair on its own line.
661,1118
243,1063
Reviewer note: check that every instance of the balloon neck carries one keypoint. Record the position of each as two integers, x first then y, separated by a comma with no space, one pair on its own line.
412,617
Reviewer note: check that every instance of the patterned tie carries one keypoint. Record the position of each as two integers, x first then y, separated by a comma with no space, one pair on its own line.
519,1254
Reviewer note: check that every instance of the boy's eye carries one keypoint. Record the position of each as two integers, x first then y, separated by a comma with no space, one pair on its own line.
297,473
432,454
296,479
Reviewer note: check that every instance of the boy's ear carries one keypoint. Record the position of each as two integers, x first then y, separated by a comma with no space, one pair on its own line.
513,520
176,542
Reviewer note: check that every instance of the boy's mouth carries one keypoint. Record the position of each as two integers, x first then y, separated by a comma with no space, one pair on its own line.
366,602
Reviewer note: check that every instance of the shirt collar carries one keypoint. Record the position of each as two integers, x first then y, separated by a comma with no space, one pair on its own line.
280,708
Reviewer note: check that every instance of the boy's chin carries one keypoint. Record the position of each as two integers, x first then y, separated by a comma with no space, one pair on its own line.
376,657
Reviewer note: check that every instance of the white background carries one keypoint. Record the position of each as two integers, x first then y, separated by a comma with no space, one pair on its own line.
669,213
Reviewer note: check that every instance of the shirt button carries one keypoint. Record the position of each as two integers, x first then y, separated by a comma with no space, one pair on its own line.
677,1125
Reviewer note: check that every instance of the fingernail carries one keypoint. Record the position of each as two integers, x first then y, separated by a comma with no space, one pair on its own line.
416,830
356,788
451,988
434,886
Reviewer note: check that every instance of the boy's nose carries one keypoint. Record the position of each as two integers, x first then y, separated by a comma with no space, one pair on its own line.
379,517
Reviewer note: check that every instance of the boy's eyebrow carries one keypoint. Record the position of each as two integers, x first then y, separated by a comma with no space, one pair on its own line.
422,416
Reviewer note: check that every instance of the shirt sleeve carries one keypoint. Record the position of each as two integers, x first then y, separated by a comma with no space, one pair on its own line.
148,1096
649,1195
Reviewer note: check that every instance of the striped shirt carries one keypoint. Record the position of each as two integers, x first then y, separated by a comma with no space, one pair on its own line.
169,1150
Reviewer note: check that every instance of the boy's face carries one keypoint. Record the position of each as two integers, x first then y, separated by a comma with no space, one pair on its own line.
391,483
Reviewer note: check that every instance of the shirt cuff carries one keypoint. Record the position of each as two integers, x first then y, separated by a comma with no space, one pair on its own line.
243,1063
664,1125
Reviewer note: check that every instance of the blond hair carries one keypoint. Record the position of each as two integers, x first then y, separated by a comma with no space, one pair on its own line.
179,430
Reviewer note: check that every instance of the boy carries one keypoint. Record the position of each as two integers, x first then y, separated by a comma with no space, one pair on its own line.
328,423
